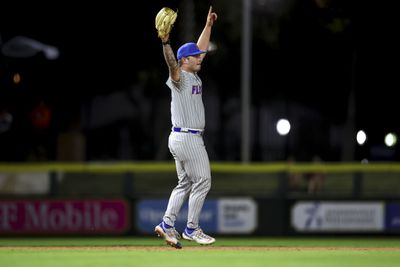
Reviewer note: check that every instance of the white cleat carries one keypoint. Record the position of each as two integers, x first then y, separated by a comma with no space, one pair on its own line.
199,236
170,235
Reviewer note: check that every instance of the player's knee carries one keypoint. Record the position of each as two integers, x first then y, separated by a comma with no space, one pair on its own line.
206,184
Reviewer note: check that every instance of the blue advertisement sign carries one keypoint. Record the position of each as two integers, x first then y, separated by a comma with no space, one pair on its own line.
150,213
392,218
224,215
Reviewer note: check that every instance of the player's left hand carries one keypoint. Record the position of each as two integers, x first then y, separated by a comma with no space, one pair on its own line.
212,17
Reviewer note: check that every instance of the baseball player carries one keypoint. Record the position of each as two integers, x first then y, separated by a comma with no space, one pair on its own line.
186,141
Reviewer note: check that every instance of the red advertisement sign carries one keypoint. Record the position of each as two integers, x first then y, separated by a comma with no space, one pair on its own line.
64,216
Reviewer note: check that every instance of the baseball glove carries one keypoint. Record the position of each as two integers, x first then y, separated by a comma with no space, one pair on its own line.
165,19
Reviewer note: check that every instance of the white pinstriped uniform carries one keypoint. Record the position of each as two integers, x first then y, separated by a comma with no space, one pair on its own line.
188,150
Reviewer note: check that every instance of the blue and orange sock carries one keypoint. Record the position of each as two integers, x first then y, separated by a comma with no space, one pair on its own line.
166,226
189,230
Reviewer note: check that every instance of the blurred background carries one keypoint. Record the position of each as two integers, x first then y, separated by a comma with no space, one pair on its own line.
305,90
84,83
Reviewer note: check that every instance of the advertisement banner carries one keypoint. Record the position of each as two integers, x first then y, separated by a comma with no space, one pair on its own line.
233,215
151,211
392,216
327,216
64,217
237,216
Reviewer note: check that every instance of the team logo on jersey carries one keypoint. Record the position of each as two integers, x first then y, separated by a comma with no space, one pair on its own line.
196,89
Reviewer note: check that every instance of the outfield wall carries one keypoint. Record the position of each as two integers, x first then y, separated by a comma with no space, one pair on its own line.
245,199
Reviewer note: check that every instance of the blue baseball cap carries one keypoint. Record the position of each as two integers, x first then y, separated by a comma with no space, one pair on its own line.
189,49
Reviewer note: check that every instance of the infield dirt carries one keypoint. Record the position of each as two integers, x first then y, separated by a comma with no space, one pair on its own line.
194,248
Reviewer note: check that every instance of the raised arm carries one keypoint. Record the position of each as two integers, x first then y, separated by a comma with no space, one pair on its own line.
170,59
204,39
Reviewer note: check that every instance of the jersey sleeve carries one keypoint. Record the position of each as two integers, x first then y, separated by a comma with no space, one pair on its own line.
177,85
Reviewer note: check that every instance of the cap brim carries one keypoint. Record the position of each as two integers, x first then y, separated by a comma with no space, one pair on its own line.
197,53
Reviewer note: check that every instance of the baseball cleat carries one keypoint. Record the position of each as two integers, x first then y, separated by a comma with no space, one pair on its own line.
170,235
199,236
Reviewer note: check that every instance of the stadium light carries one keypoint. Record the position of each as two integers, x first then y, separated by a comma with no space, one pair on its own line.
390,139
283,127
361,137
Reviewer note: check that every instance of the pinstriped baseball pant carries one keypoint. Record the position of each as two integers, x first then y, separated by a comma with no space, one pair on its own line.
194,177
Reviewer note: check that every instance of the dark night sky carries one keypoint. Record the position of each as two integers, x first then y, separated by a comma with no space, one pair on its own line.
97,43
113,40
104,45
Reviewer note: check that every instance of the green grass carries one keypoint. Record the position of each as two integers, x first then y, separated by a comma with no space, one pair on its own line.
356,242
198,258
330,252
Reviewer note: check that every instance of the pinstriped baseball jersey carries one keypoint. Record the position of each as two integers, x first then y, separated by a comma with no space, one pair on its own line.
188,150
187,109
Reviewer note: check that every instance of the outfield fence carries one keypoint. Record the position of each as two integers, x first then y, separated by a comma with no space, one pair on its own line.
117,198
139,179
